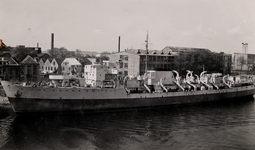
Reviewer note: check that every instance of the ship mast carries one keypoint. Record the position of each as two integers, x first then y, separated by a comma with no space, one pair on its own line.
146,45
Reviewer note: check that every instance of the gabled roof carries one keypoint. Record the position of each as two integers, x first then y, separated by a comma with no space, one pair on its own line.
185,49
59,60
50,59
9,60
28,60
7,57
72,61
6,54
86,61
43,59
91,60
43,55
37,59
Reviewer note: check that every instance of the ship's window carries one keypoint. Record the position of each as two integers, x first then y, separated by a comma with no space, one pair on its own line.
59,90
43,90
53,90
73,90
79,90
66,90
86,90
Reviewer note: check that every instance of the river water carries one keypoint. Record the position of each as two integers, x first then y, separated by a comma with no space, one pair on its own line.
213,126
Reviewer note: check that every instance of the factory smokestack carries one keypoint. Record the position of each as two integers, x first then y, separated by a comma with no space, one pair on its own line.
52,43
119,45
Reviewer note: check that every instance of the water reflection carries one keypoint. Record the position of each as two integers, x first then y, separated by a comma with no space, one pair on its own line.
214,126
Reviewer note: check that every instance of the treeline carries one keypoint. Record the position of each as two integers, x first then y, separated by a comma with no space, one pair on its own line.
199,61
21,52
64,53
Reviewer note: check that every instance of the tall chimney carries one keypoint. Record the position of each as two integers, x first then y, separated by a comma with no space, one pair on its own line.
52,43
119,45
245,47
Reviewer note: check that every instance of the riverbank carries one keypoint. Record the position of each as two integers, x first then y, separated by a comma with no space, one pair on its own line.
5,107
4,101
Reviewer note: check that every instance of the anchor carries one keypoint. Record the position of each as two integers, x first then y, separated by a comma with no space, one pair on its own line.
18,93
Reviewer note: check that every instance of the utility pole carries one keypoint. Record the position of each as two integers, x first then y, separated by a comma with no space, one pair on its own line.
245,55
146,45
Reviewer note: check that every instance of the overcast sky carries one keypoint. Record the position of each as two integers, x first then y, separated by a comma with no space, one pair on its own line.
94,25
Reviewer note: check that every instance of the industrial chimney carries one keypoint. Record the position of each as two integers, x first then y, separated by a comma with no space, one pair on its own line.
52,43
119,45
245,47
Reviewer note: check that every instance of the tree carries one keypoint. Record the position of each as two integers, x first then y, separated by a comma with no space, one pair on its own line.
212,62
105,55
61,53
20,53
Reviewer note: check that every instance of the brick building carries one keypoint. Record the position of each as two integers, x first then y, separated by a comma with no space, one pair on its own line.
9,67
29,69
133,62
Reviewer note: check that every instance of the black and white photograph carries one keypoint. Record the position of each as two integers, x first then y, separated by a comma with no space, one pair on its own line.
127,75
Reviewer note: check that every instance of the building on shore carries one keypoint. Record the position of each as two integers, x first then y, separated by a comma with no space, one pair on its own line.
29,70
133,62
9,67
71,66
243,62
96,73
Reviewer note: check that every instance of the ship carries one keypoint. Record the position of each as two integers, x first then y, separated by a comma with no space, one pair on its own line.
65,93
155,89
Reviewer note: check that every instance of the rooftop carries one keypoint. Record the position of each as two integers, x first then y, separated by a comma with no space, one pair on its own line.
143,52
72,61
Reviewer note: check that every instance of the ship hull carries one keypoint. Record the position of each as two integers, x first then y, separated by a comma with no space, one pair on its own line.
42,100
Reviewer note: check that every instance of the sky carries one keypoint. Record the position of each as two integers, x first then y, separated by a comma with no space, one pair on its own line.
95,25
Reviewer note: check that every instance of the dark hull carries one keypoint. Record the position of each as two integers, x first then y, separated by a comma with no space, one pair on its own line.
135,101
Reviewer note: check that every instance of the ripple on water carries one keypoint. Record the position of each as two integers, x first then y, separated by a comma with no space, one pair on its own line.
210,126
